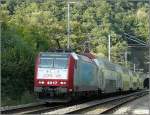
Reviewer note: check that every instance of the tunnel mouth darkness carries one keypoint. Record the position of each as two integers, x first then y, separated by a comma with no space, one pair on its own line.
146,83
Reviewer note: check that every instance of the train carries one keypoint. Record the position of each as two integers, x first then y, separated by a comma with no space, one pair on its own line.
62,76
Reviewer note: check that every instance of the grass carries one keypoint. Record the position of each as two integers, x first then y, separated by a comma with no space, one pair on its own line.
24,99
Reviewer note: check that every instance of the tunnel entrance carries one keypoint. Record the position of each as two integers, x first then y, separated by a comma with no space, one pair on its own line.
146,83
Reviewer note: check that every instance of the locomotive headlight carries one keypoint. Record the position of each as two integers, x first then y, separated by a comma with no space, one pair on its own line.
42,82
62,82
39,82
70,89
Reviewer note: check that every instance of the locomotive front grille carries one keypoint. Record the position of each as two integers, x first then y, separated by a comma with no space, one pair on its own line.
51,89
52,92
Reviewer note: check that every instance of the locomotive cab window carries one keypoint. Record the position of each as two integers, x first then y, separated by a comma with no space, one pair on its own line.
60,63
46,62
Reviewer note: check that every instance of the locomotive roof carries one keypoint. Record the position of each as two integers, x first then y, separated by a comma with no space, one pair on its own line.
47,54
54,54
89,55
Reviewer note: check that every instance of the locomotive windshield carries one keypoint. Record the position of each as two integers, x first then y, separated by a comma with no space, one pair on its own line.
60,63
46,62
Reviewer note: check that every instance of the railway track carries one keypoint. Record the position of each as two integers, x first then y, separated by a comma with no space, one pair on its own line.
30,109
38,108
106,105
110,106
99,106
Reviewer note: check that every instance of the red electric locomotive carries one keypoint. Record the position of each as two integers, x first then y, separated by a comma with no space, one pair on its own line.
54,75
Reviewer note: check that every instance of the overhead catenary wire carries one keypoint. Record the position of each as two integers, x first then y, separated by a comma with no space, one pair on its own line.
130,0
134,39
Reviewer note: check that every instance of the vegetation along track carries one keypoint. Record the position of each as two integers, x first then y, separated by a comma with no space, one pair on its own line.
99,106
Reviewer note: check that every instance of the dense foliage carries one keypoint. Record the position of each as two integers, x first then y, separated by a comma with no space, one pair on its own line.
36,25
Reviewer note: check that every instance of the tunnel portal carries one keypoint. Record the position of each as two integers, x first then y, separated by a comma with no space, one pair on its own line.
146,83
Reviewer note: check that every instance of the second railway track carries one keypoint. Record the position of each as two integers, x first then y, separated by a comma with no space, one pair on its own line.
110,105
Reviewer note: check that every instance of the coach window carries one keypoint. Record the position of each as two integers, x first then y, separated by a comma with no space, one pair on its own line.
125,71
134,74
118,69
130,73
101,64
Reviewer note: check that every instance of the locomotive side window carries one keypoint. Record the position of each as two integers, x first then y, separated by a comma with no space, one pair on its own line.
60,63
46,62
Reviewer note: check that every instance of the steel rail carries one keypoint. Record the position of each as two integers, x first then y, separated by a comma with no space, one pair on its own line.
28,108
56,109
108,106
32,110
41,110
88,105
120,103
10,109
37,108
